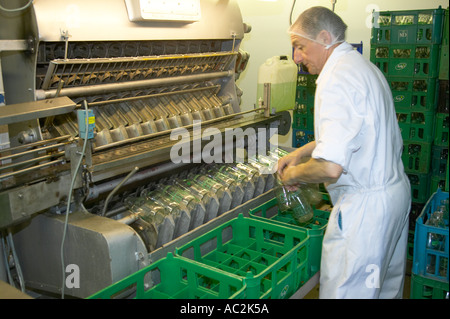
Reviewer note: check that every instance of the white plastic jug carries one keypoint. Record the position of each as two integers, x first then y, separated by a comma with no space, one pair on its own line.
281,73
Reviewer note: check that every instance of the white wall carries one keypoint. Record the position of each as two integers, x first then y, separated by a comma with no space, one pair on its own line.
270,21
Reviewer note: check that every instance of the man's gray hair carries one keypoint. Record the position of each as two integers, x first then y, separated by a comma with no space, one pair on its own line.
315,19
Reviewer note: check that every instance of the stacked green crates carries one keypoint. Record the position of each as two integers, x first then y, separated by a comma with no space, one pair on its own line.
439,163
303,113
406,47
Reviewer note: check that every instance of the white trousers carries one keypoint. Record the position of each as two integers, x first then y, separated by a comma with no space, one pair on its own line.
365,245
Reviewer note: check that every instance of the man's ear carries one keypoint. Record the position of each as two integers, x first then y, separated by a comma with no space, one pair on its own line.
325,37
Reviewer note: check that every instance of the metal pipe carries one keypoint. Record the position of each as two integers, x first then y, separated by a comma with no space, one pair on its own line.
128,219
111,194
56,139
96,190
106,88
33,160
26,170
32,151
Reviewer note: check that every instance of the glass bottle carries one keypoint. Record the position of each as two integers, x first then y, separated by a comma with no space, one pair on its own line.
187,202
293,202
236,190
215,188
157,226
254,175
203,195
175,211
242,178
435,240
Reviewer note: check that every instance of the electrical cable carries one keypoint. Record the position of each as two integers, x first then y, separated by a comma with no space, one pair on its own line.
69,200
18,9
16,262
5,255
333,4
292,11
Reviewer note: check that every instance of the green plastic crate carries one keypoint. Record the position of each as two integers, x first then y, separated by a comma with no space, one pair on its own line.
316,230
437,182
443,68
307,80
446,181
426,288
443,97
441,129
439,159
420,187
414,94
305,95
416,126
407,27
416,157
410,247
175,277
271,259
416,209
406,60
303,122
301,137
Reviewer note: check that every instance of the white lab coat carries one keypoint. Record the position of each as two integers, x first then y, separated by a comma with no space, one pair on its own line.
364,247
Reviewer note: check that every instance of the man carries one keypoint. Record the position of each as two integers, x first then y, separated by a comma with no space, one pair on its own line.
357,155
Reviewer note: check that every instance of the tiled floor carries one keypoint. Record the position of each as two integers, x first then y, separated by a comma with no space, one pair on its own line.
314,293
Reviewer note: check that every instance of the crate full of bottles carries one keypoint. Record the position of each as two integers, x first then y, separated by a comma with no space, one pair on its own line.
408,27
431,242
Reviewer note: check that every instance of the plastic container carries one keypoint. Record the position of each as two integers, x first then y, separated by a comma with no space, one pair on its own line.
420,187
406,60
416,157
426,288
443,70
281,73
175,277
271,259
439,160
437,181
416,126
441,126
303,116
269,211
408,27
443,97
431,261
301,137
414,94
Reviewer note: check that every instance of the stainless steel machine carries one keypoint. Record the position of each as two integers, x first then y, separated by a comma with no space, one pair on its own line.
95,96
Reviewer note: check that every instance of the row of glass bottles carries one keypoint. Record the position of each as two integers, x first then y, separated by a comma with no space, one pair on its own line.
174,206
436,241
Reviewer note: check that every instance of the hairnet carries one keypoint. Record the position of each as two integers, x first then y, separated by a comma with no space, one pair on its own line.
313,20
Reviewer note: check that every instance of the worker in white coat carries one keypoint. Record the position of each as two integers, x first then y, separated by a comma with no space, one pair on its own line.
357,155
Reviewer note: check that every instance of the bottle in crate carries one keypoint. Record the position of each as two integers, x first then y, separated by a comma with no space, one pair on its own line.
436,241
